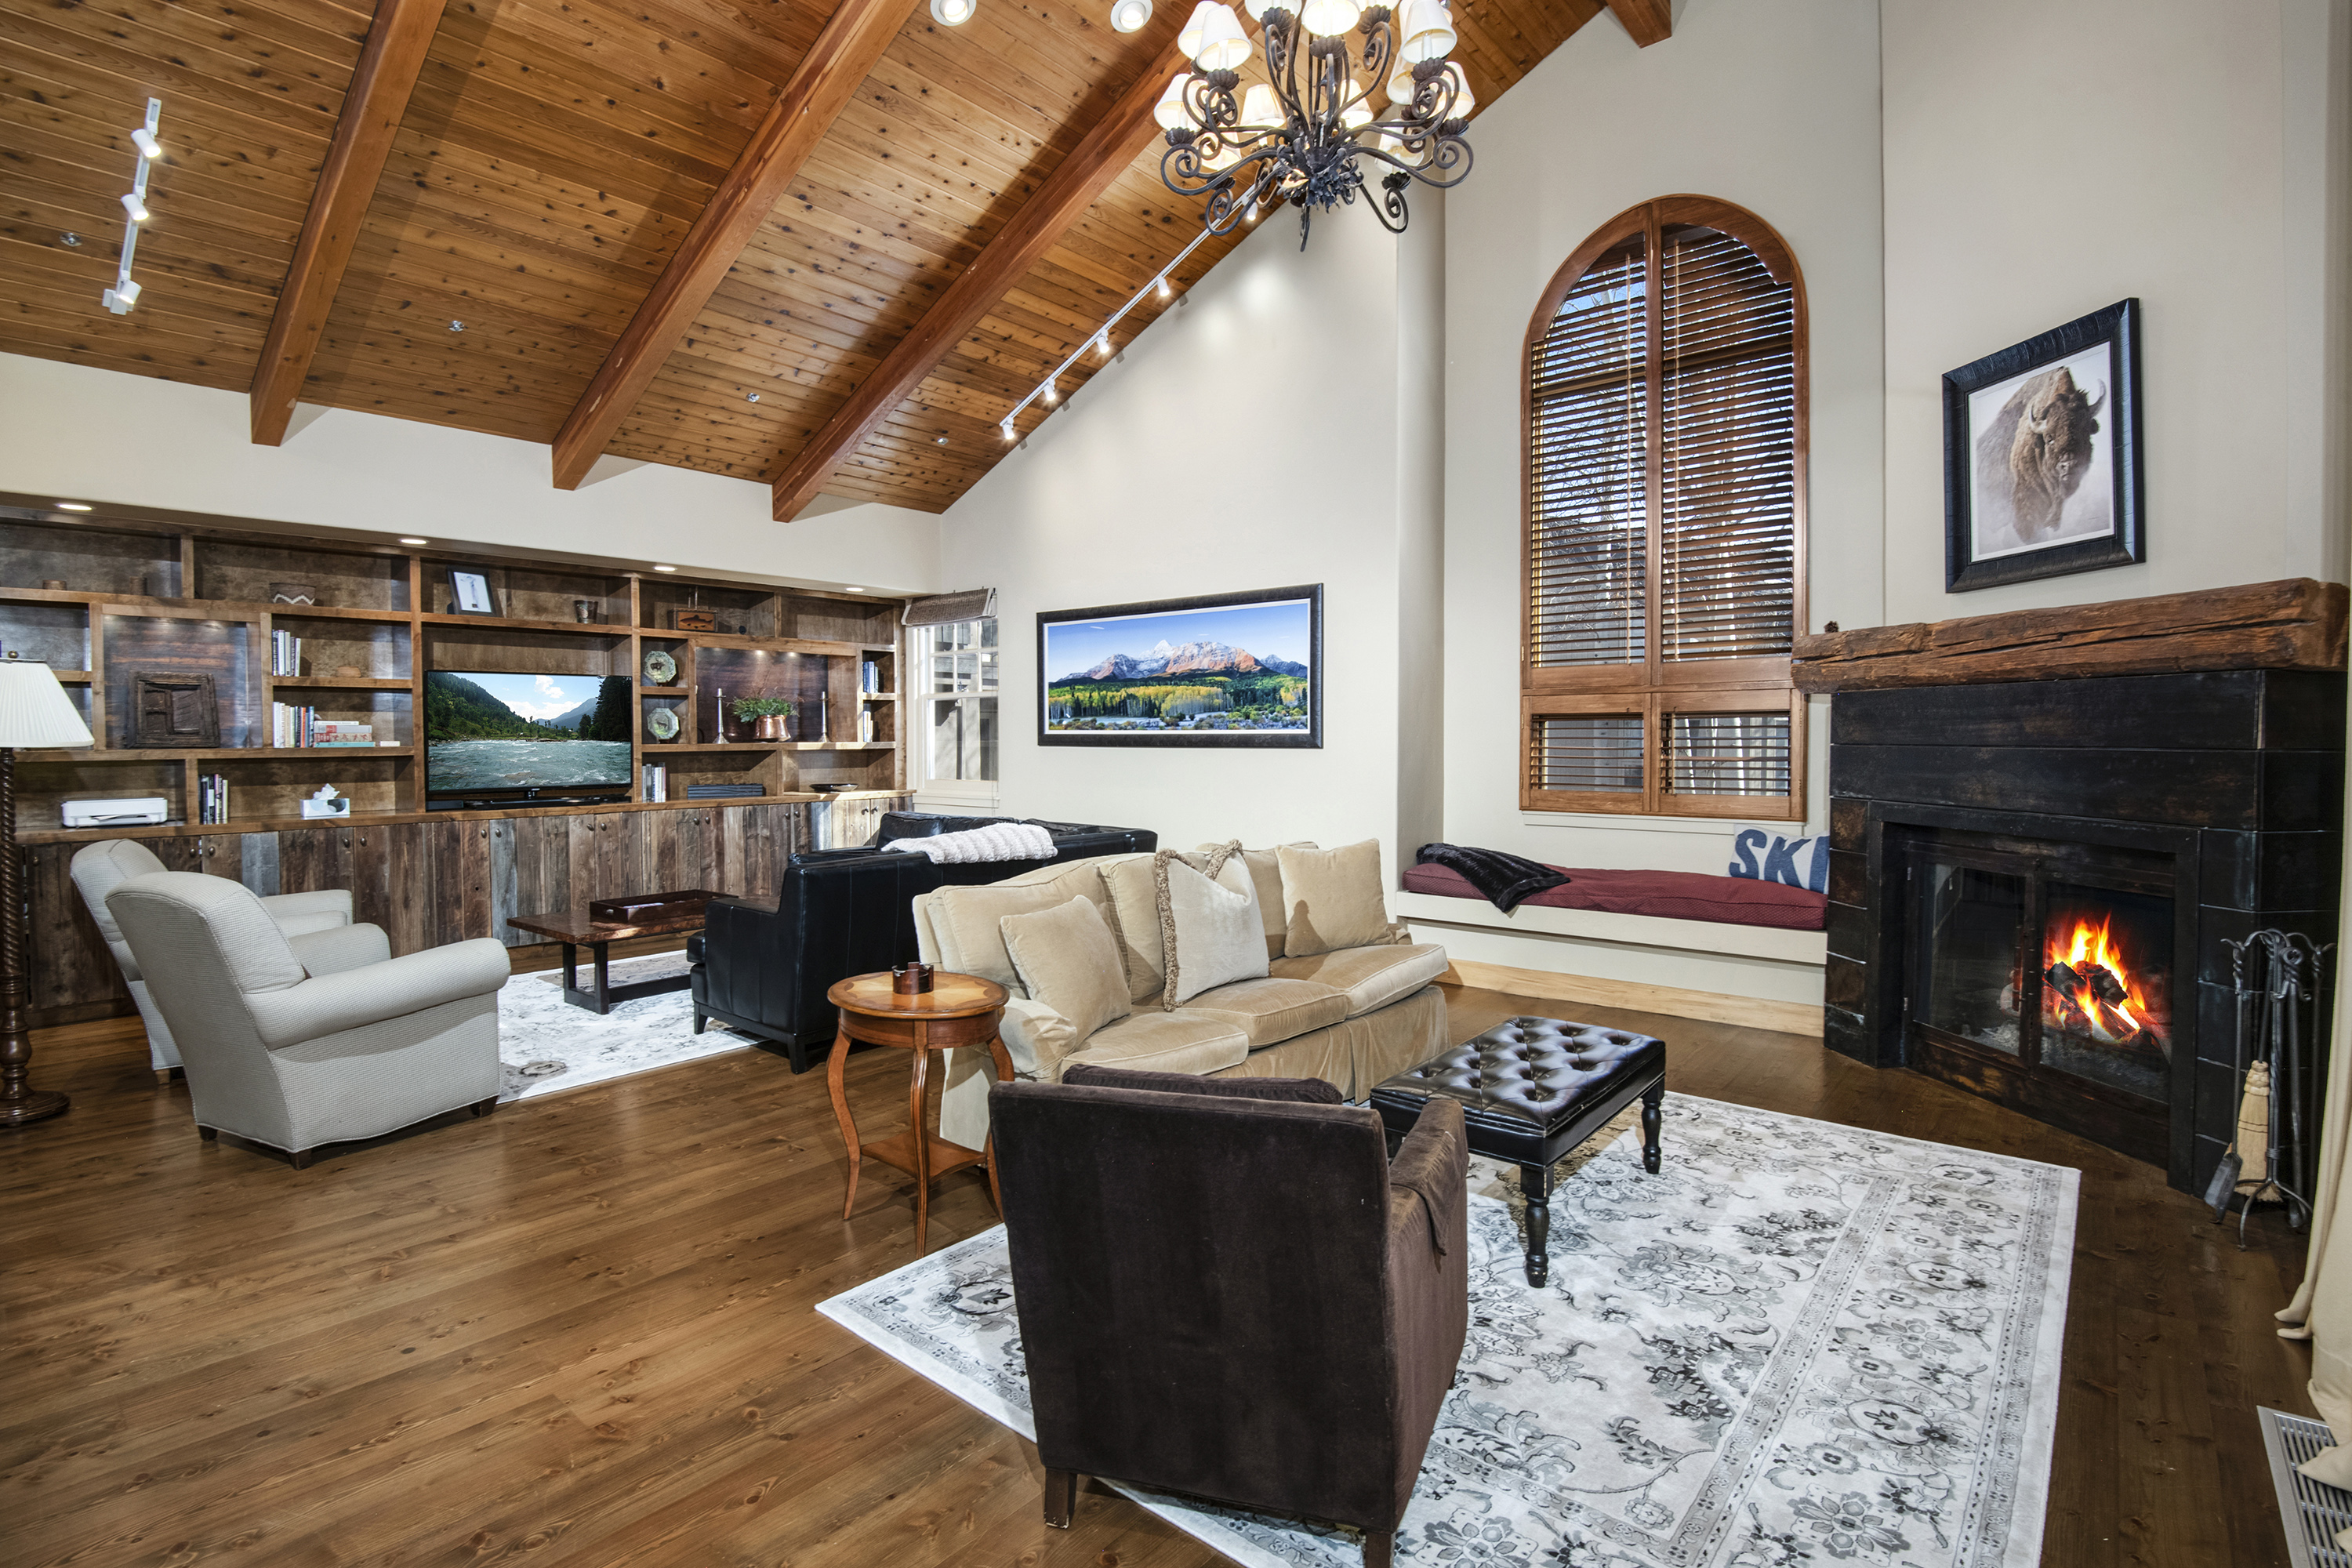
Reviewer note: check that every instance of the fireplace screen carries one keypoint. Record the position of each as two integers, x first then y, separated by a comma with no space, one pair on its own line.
2041,976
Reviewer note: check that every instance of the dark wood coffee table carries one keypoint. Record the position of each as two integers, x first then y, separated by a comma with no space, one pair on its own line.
675,914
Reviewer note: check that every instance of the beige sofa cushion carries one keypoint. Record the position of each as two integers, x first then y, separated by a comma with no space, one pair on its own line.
1165,1042
1370,977
1037,1038
1209,933
1066,960
1331,899
1134,892
966,921
1270,1011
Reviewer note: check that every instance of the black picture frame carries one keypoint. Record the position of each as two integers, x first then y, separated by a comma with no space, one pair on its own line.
465,586
2030,456
1308,736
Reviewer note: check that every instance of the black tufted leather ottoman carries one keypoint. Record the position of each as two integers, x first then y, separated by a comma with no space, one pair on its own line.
1532,1089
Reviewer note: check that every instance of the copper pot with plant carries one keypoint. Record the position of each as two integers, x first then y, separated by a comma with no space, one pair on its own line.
766,715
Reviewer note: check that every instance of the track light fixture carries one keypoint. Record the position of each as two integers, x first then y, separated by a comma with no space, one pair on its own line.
1047,392
125,292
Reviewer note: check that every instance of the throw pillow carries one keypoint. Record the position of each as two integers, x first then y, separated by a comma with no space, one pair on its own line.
1209,923
1135,906
967,921
1266,875
1331,899
1066,960
1781,859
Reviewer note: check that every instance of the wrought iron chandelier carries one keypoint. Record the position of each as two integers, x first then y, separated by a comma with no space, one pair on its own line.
1309,135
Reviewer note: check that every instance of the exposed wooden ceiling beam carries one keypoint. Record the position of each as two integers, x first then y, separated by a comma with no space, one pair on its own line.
1118,138
389,62
1649,21
850,48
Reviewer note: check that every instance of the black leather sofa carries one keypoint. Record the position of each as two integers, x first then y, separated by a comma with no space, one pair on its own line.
763,968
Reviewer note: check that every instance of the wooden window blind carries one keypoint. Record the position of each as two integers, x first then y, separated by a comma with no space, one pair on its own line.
1665,540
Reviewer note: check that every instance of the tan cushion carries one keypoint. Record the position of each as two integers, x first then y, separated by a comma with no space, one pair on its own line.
1134,893
1266,874
1271,1010
1209,926
1165,1042
1370,977
1037,1038
1331,899
1066,960
967,920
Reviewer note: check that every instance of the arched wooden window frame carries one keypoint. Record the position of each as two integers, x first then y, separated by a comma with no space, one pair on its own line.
1655,688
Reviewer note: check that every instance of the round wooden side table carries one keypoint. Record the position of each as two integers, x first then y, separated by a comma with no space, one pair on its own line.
959,1010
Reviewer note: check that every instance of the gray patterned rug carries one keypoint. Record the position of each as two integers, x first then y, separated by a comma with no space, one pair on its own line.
546,1043
1800,1344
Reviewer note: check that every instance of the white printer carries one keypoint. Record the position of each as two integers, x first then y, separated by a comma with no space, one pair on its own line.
139,811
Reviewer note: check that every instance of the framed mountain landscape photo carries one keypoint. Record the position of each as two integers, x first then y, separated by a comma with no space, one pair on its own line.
1225,670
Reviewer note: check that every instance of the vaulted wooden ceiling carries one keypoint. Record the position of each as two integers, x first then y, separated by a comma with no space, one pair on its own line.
545,168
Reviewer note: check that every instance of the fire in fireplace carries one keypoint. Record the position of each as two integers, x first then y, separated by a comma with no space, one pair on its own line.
2043,978
2104,1015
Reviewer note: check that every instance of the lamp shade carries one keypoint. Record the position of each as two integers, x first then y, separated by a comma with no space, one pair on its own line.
1213,38
1425,31
1259,106
1329,19
1467,100
1356,111
35,710
1169,111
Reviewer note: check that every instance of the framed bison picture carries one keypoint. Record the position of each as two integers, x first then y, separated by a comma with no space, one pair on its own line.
2041,456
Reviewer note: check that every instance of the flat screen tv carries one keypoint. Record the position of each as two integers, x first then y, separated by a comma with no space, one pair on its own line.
488,732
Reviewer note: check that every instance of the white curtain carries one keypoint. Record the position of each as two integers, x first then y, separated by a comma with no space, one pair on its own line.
2322,1310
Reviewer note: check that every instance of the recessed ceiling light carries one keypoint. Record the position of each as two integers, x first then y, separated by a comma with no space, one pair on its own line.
416,541
73,506
853,590
1126,16
941,440
664,568
457,326
951,13
751,397
70,237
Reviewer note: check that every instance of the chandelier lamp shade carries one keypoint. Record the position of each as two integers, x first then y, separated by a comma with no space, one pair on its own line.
1308,134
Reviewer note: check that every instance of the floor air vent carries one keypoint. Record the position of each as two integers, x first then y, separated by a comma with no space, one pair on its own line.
2312,1512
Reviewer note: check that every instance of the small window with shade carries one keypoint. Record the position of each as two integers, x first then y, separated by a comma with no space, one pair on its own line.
1664,523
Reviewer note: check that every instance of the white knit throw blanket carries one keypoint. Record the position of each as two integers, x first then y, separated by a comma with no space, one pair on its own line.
997,841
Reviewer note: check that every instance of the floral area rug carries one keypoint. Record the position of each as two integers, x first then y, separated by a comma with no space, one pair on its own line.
1801,1344
546,1043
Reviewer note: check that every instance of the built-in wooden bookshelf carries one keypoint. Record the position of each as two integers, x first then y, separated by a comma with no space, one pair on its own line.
380,620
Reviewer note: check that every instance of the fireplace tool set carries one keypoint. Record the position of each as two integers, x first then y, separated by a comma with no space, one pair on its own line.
2276,977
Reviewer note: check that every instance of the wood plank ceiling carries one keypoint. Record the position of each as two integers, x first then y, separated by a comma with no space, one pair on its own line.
550,161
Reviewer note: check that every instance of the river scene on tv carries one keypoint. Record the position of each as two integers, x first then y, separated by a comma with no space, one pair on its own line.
1239,667
486,730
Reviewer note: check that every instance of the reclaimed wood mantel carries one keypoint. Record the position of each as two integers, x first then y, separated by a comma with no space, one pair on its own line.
2294,624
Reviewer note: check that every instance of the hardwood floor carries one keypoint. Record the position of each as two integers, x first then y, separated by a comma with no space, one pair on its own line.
579,1331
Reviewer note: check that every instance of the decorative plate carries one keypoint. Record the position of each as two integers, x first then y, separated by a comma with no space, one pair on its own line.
662,722
660,670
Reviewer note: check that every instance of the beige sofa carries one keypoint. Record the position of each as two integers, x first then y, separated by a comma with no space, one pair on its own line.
1351,1018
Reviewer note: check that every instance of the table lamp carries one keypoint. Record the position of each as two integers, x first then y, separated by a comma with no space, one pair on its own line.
34,712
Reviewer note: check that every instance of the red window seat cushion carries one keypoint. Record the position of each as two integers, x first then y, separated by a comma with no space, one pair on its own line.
1669,895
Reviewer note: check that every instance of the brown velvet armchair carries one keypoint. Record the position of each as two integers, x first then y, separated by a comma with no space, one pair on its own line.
1227,1288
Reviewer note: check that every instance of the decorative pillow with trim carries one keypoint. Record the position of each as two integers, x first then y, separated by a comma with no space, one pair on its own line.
1208,922
1332,898
1066,960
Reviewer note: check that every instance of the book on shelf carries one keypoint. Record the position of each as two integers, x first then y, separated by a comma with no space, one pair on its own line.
656,782
294,726
869,677
212,798
284,654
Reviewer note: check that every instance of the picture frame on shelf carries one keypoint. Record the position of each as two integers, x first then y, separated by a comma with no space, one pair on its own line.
1240,670
469,593
2043,470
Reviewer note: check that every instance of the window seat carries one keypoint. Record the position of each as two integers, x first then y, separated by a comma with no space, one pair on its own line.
1666,895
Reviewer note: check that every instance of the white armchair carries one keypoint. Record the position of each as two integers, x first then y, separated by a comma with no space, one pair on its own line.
342,1042
99,868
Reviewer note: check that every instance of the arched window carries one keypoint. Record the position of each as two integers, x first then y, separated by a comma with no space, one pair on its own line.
1665,521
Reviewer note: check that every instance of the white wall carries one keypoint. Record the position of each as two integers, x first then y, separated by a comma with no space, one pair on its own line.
78,434
1774,108
2178,151
1278,429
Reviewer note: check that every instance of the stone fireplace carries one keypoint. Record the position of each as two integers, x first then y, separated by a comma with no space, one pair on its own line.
2031,880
